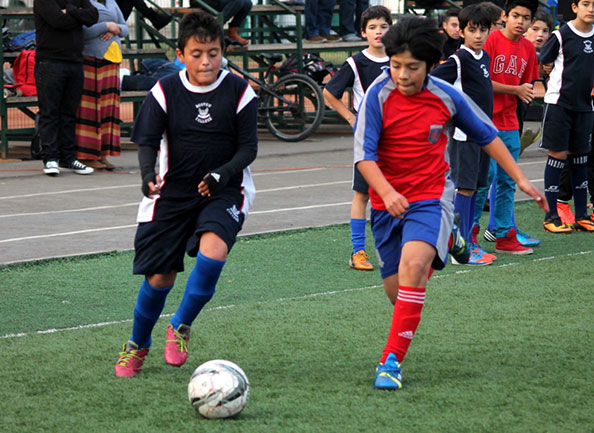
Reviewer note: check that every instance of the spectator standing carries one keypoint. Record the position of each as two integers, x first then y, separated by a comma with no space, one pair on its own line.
318,20
568,118
349,15
98,115
236,11
358,72
59,78
450,26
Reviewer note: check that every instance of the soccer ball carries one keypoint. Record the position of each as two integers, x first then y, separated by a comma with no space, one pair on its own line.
218,389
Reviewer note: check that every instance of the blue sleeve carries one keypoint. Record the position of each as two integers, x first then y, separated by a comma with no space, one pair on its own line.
550,50
447,71
341,80
368,126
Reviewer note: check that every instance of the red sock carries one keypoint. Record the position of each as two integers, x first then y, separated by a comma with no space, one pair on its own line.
405,319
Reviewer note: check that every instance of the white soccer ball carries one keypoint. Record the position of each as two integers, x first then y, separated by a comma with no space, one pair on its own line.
218,389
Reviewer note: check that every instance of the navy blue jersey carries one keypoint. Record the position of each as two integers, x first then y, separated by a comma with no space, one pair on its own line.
358,72
196,129
469,72
571,80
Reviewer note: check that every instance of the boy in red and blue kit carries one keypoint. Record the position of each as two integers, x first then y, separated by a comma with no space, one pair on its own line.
513,68
400,149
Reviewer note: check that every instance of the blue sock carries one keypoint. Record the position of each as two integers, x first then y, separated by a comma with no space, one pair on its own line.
199,290
579,182
462,205
149,306
552,176
358,234
471,210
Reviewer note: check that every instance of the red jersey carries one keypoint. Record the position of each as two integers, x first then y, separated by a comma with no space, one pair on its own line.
512,63
407,135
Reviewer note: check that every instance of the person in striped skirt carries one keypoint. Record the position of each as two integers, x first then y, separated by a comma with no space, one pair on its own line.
98,115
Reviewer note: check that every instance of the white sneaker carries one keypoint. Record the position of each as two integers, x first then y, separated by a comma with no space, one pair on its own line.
79,168
51,168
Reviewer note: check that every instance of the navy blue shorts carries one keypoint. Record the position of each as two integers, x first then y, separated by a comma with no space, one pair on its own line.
160,245
429,221
469,164
564,129
359,182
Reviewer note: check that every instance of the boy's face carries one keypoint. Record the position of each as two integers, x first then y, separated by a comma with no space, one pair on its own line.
538,33
202,60
517,22
374,30
475,36
408,73
451,27
584,11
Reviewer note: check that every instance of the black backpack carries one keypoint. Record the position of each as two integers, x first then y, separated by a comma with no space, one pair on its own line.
313,66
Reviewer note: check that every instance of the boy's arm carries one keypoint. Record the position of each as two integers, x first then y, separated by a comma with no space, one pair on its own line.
449,70
340,108
247,146
498,151
524,91
396,204
335,88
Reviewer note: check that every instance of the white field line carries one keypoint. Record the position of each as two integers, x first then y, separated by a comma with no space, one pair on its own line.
88,209
77,232
289,299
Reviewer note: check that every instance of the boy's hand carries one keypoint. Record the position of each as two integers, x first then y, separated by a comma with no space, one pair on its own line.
526,186
526,92
212,184
547,68
396,204
151,188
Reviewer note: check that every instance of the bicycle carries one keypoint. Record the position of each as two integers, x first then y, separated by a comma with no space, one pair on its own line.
292,107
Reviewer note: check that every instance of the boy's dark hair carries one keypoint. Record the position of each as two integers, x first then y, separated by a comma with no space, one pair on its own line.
475,14
451,12
200,25
375,13
529,4
542,15
493,10
419,35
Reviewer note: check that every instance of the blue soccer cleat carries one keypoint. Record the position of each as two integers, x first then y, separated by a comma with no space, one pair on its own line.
527,240
458,248
387,375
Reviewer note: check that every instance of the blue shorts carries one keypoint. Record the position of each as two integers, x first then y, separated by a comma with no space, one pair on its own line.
160,245
469,164
429,221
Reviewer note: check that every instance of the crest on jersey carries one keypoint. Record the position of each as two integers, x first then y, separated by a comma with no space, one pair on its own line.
203,112
434,133
588,47
485,71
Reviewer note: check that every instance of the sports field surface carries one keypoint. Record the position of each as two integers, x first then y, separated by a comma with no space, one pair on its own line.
502,348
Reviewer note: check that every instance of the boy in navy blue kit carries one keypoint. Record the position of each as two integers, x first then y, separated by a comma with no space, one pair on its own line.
567,122
202,123
358,72
400,148
468,70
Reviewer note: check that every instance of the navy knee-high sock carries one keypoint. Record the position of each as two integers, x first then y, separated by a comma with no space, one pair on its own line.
199,290
552,175
579,182
149,306
462,206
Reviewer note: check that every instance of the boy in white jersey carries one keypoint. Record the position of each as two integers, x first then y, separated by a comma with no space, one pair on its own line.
358,72
202,123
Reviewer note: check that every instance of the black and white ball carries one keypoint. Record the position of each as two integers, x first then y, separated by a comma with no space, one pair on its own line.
218,389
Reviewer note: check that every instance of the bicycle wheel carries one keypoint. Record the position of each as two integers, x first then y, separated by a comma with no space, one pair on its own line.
294,108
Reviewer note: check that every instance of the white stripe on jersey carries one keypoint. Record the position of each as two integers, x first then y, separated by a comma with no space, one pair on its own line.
555,78
159,95
357,86
247,96
248,189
